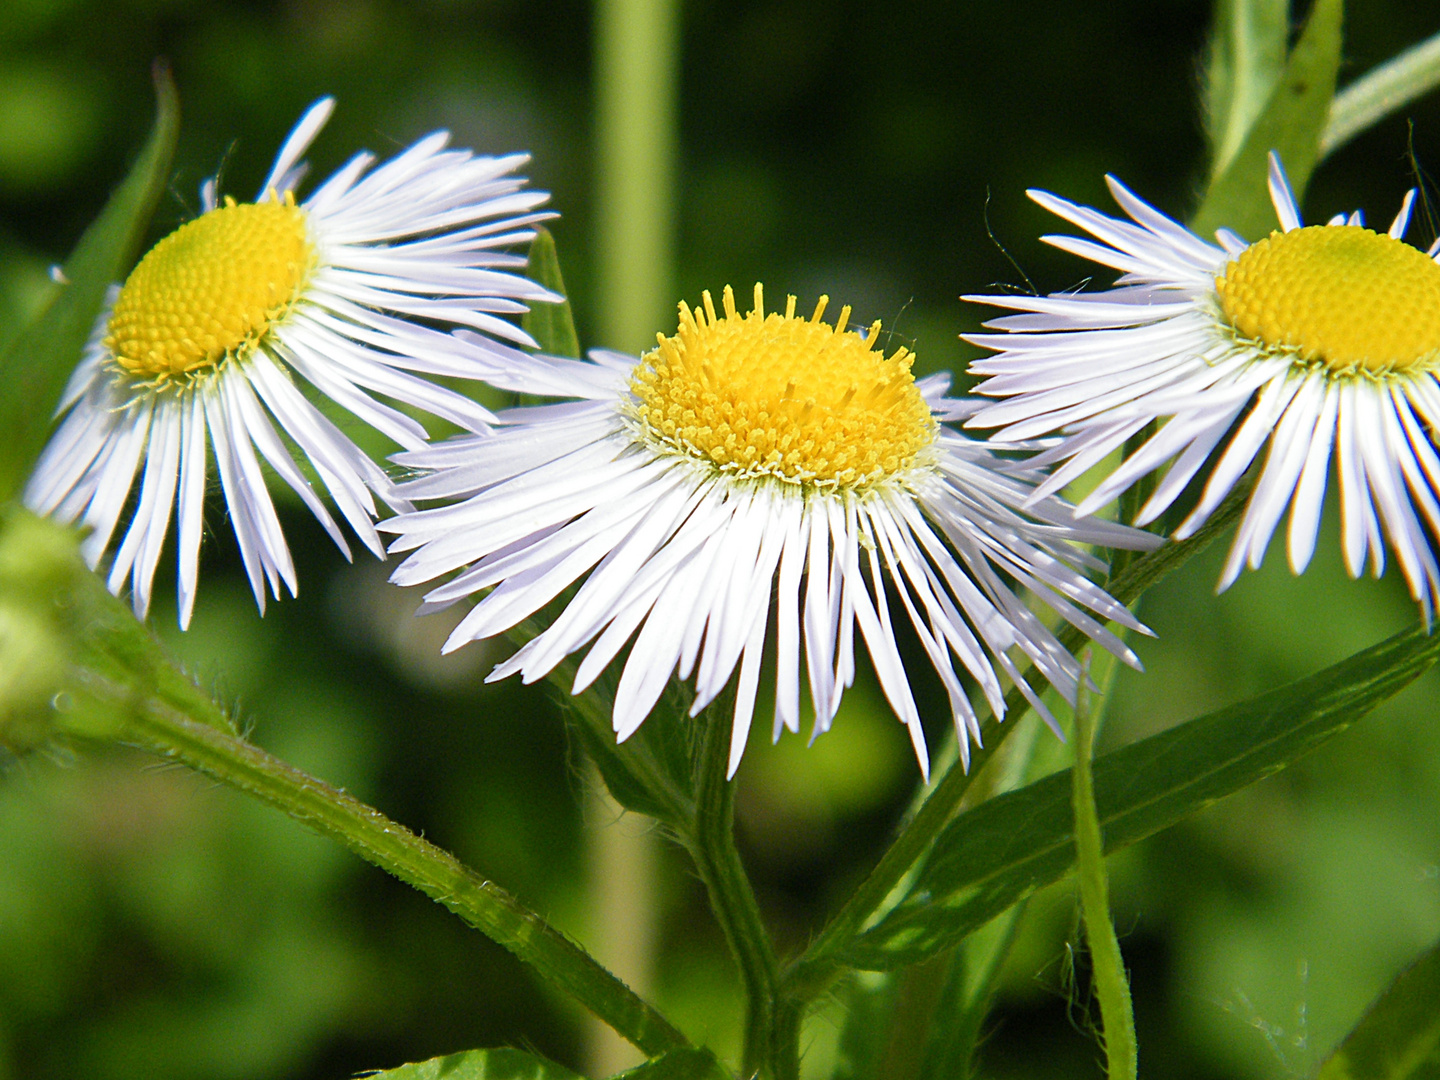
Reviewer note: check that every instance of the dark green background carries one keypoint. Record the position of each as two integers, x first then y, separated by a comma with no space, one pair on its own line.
152,925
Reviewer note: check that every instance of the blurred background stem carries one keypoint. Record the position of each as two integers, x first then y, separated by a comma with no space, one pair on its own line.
636,65
636,62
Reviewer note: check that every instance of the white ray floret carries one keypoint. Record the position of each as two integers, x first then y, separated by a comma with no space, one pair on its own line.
678,541
204,343
1278,345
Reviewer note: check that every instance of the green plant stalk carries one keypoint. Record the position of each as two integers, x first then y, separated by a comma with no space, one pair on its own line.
1111,987
772,1030
1381,91
637,62
162,729
816,968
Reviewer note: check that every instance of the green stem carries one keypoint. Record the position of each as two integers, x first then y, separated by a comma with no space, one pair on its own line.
483,905
1381,91
772,1045
815,970
1111,986
637,46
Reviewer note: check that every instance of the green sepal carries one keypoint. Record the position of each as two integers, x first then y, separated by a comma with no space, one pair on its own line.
551,325
1000,852
1399,1036
37,362
1291,124
502,1064
652,772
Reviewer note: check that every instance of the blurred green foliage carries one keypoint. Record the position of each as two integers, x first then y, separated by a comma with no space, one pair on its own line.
152,925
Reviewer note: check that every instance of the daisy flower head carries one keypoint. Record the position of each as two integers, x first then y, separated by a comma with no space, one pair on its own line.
749,461
204,342
1315,342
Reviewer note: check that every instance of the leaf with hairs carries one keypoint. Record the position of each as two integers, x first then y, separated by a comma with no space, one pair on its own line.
1243,64
1291,124
1000,852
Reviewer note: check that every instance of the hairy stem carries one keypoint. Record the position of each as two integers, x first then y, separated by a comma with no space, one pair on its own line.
771,1030
162,729
1111,987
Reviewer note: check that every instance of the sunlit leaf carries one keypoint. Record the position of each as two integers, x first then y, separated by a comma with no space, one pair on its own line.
686,1064
39,359
1245,61
1003,850
1399,1038
504,1064
551,325
1291,124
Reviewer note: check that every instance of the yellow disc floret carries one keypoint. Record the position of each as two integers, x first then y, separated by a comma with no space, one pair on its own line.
211,290
1339,295
780,396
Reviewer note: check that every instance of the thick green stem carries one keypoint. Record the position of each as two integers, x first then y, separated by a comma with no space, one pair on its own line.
1111,986
771,1030
393,848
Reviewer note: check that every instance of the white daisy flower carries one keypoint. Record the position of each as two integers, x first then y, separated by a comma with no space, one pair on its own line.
203,342
1317,341
749,460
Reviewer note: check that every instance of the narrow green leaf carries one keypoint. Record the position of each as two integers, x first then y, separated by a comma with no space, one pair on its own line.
1244,63
504,1064
817,967
1381,91
988,858
686,1064
551,325
1291,124
1399,1037
39,359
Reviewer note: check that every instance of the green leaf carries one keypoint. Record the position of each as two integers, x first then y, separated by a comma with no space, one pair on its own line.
1245,61
988,858
1399,1037
869,999
686,1064
37,362
551,325
502,1064
1381,91
651,772
1291,124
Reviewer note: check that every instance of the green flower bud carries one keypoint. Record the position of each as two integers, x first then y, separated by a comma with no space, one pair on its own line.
32,674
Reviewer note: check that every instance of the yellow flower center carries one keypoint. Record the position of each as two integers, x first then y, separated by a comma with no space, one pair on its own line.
780,396
1340,295
211,289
